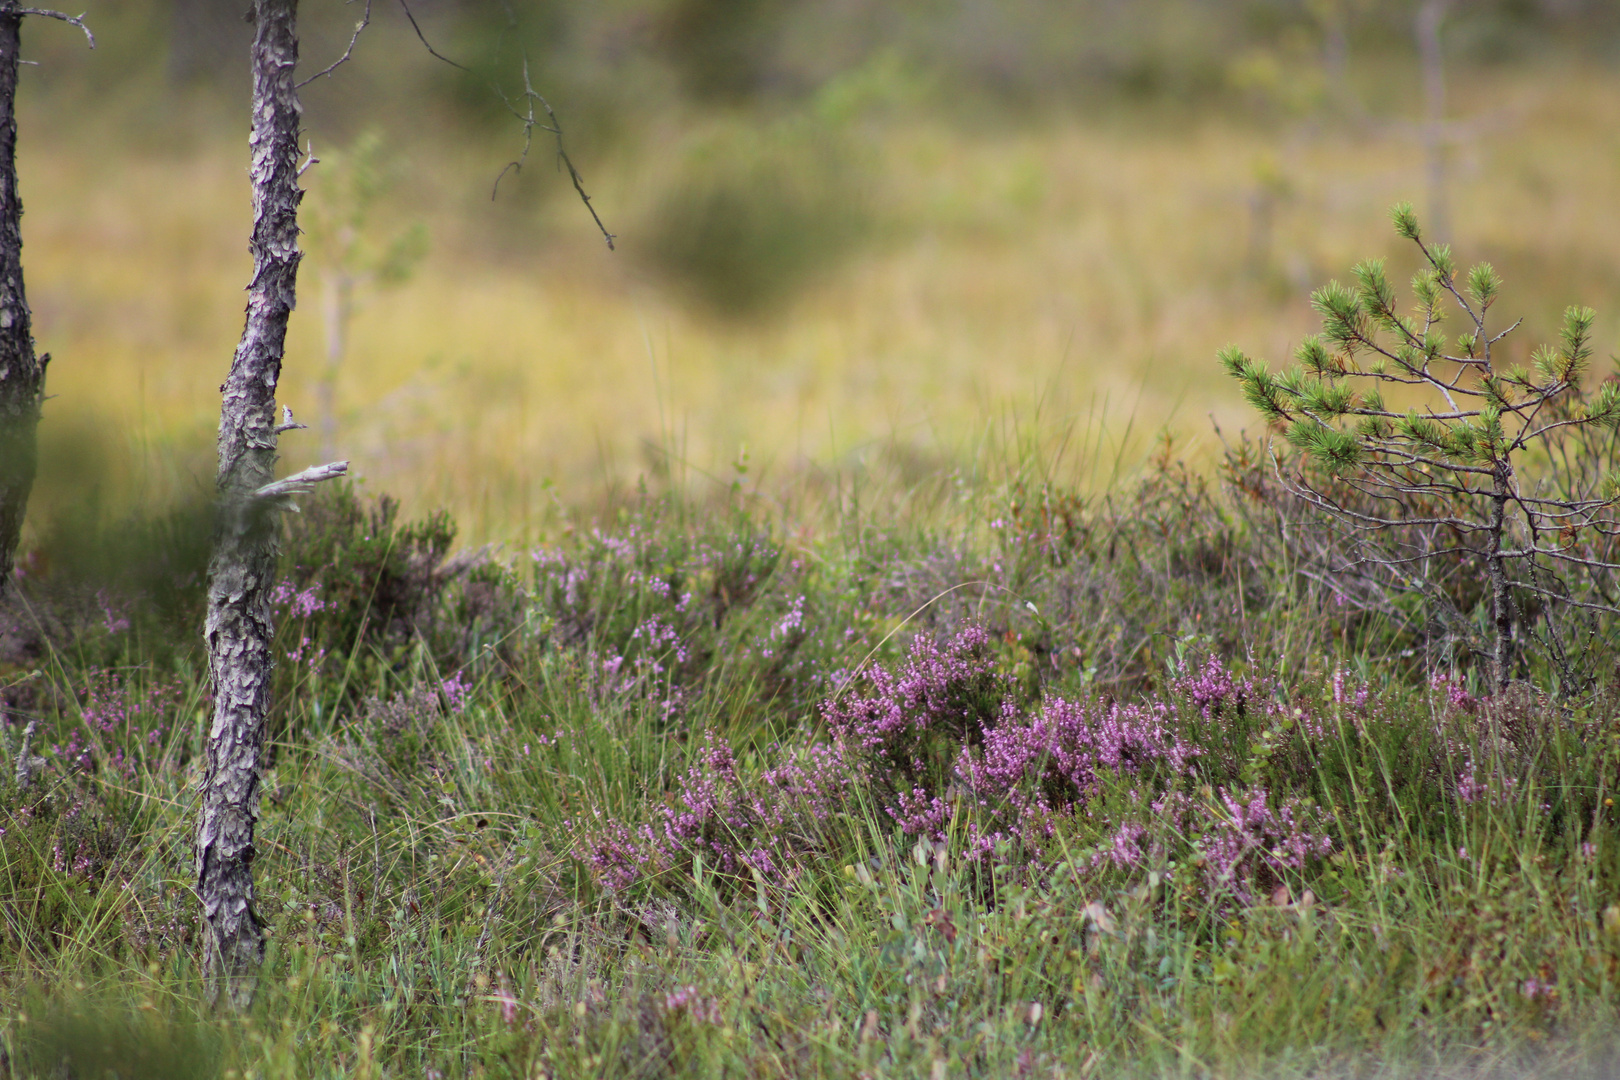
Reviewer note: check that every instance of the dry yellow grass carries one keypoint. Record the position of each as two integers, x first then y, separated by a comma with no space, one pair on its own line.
1072,272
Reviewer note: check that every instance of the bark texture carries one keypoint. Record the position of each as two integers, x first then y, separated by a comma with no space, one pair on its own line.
22,374
242,572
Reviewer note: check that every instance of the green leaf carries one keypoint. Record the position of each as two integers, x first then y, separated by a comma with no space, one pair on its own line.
1343,320
1461,441
1325,399
1422,430
1373,427
1235,361
1492,442
1293,380
1495,392
1262,393
1605,405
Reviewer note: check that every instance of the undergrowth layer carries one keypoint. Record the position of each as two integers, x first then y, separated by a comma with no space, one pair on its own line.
1004,781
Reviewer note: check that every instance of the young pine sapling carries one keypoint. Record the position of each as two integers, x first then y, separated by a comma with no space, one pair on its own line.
348,258
1477,462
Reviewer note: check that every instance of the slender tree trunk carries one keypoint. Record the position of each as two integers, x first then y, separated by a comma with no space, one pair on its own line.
22,375
241,574
339,313
1336,52
1501,598
1430,18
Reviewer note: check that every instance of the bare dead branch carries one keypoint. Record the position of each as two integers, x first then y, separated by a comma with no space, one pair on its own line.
436,54
45,13
529,121
301,483
365,21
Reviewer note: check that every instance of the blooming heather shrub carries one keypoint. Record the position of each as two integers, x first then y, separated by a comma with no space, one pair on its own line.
914,722
123,724
607,583
70,832
1081,592
1036,767
1165,777
942,748
1240,843
764,824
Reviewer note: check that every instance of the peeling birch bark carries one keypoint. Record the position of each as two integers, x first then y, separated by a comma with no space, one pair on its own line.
241,575
22,374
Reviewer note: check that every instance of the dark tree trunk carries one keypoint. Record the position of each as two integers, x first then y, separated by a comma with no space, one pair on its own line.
239,626
22,374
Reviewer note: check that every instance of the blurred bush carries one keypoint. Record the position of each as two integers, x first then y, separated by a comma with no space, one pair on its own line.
756,212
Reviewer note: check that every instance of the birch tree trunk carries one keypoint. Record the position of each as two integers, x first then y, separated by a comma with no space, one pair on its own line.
241,575
22,374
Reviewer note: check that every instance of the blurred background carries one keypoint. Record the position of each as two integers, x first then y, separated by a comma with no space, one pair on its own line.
910,235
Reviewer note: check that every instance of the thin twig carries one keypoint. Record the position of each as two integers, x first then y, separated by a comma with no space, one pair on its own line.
310,161
406,8
365,21
529,120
